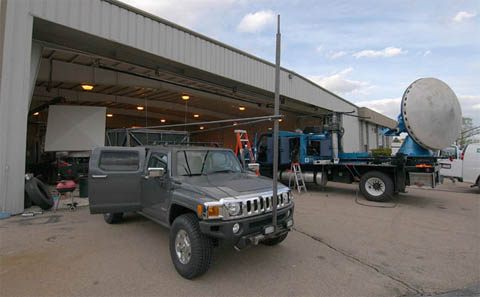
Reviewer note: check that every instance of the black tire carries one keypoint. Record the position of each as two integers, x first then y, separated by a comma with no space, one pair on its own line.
200,244
113,218
27,203
275,240
478,184
39,193
385,190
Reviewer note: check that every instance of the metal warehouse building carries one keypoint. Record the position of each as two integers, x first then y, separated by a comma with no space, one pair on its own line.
49,48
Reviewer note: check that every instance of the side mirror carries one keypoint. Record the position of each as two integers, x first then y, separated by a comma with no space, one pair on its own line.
253,167
156,172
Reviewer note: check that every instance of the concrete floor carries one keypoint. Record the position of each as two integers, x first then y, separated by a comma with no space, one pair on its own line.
424,242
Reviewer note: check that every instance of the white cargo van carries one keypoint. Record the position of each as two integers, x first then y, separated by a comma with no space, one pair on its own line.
467,168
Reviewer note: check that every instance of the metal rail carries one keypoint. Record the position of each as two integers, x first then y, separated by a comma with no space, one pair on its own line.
262,118
275,126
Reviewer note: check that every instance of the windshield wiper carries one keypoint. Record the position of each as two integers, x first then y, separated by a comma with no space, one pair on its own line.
188,166
224,171
204,160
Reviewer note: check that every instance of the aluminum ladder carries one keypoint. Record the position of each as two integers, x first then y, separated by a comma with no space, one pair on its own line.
296,175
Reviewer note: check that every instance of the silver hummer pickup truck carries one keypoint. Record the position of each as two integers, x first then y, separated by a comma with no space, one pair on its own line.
201,194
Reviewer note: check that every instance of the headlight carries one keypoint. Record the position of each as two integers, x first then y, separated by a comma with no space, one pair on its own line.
233,208
285,196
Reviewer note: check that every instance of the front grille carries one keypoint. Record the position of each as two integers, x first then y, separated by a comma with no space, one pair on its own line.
258,205
263,203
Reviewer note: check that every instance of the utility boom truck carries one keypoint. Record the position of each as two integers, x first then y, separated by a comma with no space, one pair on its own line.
430,114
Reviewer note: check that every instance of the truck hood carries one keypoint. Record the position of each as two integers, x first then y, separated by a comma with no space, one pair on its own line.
223,185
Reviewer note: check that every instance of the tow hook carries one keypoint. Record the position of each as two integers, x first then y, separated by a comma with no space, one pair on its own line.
256,240
242,244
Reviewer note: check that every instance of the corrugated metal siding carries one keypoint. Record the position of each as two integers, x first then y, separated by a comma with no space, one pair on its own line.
15,57
121,25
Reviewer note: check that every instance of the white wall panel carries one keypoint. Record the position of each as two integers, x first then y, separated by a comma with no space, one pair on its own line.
15,61
75,128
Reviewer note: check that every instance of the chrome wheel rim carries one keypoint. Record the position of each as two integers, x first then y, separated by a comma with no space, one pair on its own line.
183,248
375,186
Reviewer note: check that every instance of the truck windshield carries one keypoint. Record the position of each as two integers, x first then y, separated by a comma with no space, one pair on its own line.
194,162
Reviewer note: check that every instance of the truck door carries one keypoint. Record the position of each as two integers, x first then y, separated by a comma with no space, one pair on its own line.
156,190
114,179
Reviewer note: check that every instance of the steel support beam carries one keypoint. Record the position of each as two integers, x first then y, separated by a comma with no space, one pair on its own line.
76,96
35,60
75,73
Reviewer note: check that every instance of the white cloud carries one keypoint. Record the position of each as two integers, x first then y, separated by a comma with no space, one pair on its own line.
337,54
337,83
470,107
391,106
256,22
463,15
319,48
388,106
426,53
386,52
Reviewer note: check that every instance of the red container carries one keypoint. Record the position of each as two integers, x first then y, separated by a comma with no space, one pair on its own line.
66,186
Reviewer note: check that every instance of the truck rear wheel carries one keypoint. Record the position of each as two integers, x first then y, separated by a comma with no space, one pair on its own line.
376,186
113,218
191,251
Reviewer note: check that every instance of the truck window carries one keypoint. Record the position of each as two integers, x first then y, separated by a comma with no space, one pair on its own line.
313,148
190,163
158,160
119,161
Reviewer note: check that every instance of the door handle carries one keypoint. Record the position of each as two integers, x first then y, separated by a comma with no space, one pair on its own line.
100,176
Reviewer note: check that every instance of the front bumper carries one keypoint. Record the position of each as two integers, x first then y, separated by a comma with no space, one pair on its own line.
252,229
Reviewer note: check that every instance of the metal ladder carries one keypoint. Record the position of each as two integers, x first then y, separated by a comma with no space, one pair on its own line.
297,176
243,143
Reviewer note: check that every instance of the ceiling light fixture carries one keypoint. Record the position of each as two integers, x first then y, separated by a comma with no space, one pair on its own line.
185,97
163,120
196,115
235,123
280,120
140,108
201,127
87,87
109,115
36,113
241,108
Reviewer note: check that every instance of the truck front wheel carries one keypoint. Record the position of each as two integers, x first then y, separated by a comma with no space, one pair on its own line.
376,186
191,251
113,218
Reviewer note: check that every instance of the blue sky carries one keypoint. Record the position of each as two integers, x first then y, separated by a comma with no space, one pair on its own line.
368,52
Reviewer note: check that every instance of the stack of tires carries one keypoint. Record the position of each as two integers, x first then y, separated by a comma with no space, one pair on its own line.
37,193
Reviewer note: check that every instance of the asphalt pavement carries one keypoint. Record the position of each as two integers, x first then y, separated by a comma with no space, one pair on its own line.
425,242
